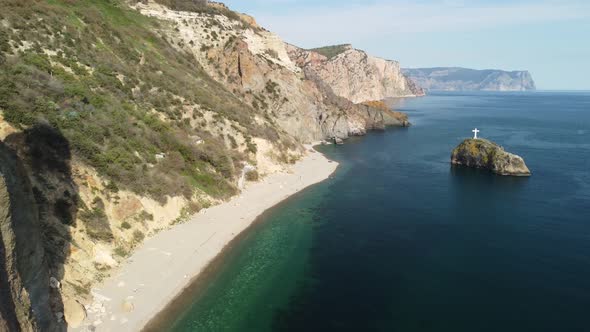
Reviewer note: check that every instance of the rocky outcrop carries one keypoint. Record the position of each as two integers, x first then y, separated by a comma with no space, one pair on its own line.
70,214
482,153
272,76
25,299
463,79
356,75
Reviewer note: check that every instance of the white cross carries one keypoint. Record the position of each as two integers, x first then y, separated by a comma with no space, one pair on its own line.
475,131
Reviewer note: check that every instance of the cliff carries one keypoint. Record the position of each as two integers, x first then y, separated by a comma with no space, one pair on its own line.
482,153
463,79
354,74
27,302
123,118
261,69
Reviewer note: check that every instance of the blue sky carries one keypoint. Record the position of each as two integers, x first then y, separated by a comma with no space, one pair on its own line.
551,39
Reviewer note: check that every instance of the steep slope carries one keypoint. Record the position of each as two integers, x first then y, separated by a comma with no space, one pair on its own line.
25,303
128,117
151,137
257,66
463,79
355,75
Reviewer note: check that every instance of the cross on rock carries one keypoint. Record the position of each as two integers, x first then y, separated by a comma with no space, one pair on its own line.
475,132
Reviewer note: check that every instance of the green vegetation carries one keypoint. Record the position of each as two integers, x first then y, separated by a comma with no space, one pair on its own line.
199,6
121,252
80,290
138,236
117,90
97,224
252,176
331,51
272,53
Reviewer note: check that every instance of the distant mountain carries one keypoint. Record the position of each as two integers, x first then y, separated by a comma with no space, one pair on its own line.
464,79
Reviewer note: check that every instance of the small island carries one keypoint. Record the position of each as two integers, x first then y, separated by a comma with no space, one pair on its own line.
482,153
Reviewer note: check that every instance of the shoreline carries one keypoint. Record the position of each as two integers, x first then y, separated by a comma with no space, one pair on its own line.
159,271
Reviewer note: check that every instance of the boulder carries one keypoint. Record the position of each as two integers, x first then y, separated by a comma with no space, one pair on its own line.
482,153
127,306
74,313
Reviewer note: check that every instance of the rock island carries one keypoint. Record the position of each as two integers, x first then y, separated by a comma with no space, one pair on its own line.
482,153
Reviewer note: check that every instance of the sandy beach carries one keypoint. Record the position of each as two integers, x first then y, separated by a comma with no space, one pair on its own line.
165,264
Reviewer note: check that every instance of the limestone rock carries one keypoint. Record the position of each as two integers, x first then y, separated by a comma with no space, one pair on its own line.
356,75
482,153
338,141
127,306
54,283
74,313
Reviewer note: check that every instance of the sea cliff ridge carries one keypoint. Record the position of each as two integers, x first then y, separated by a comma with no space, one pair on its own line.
464,79
127,118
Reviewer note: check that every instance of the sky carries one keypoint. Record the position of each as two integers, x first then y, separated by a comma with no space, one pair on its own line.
551,39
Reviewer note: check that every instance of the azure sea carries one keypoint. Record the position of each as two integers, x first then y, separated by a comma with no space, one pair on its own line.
398,240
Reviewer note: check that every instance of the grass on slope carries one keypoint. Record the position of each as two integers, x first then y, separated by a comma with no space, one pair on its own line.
117,90
331,51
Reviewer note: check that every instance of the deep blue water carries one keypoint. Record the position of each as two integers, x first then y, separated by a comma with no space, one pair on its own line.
398,240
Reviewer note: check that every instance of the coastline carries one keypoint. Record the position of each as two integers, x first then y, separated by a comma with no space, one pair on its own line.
165,265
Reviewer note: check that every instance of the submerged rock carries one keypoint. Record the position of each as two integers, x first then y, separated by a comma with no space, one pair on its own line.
482,153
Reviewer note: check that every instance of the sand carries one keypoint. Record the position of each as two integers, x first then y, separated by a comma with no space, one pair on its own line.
165,264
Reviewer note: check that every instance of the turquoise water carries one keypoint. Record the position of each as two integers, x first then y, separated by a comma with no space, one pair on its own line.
398,240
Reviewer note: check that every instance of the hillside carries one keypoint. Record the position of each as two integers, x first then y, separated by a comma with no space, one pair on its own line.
123,118
463,79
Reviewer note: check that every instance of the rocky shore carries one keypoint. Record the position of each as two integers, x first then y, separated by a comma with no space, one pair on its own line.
482,153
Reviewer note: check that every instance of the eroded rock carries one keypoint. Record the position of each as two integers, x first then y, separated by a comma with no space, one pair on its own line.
482,153
74,313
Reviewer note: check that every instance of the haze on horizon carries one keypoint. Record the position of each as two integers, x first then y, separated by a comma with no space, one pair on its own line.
547,38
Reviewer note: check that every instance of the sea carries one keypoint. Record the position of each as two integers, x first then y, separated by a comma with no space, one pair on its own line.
399,240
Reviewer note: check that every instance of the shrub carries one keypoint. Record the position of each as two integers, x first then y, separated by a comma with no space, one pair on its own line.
272,53
138,236
121,252
252,176
97,224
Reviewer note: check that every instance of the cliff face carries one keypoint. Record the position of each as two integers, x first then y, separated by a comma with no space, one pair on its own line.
463,79
268,74
26,303
130,116
355,75
481,153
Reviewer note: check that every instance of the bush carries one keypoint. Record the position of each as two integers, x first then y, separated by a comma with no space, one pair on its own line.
121,252
252,176
97,225
138,236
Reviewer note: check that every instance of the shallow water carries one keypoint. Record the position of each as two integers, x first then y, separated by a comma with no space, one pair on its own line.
400,241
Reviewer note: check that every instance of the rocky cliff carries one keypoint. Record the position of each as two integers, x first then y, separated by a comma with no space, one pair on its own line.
27,303
122,118
354,74
267,73
482,153
463,79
